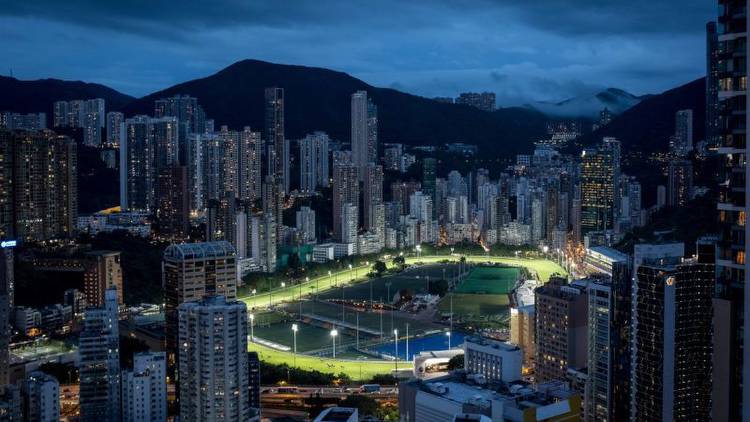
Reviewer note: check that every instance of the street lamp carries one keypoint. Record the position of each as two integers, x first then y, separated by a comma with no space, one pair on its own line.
419,250
252,327
334,333
253,293
351,273
294,333
448,334
395,335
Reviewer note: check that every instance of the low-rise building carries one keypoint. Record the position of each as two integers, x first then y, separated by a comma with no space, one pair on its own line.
495,360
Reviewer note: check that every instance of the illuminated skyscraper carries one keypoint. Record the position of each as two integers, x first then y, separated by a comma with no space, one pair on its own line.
191,271
731,340
364,137
345,192
277,149
150,145
99,349
680,177
598,176
313,156
671,340
213,361
39,200
115,128
173,202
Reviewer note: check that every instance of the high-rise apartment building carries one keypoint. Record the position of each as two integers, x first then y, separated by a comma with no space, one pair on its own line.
313,157
277,149
191,271
305,219
671,340
144,388
712,85
99,350
364,137
372,199
18,121
85,114
103,272
115,128
683,133
731,341
150,145
680,178
39,200
173,202
273,203
213,361
345,192
41,397
561,328
6,304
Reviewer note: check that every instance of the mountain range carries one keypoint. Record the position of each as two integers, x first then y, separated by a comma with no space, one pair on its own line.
589,105
319,99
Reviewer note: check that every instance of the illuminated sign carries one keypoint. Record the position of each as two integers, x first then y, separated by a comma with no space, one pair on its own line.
8,244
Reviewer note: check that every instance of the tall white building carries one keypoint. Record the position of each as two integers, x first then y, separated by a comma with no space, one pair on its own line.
349,220
213,362
313,157
144,389
364,131
306,224
99,367
41,397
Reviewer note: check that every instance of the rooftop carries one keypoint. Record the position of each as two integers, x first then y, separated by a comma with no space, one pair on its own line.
200,250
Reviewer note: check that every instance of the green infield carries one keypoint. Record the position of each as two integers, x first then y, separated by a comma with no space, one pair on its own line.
414,279
367,320
358,370
309,337
489,280
475,305
539,268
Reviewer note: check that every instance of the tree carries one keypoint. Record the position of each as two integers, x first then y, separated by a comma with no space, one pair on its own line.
399,262
384,379
379,267
366,405
456,362
438,287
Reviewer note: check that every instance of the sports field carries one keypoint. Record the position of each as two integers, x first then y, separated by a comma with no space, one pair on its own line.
309,337
358,370
541,268
367,320
489,280
475,305
414,279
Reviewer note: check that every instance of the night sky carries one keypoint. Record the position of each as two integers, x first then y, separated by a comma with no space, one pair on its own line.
524,50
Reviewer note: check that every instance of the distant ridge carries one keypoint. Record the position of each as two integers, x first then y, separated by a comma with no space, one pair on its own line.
39,95
319,99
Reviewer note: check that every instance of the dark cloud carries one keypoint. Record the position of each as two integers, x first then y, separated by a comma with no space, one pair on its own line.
523,50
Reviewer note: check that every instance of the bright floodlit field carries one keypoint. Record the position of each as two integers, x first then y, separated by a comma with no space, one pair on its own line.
357,369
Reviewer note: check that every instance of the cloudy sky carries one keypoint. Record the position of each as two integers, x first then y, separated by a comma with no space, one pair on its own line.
524,50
